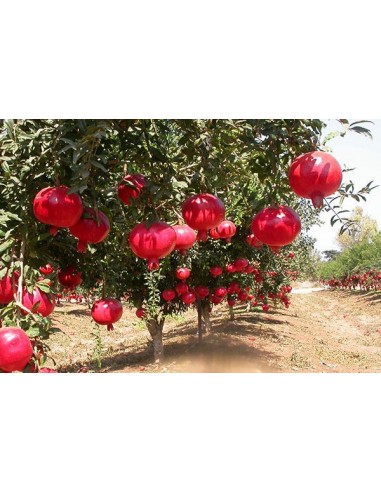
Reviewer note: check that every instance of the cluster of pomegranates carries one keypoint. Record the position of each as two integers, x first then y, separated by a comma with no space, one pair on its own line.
314,175
369,280
232,292
58,208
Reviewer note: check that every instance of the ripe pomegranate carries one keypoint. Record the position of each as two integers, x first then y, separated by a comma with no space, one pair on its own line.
291,255
241,264
250,269
46,302
201,291
181,288
220,291
47,269
106,312
6,288
183,273
252,241
226,230
69,277
234,288
93,227
168,295
15,349
203,212
140,312
215,299
315,175
265,307
231,302
188,298
57,208
230,268
131,187
242,295
276,226
214,234
215,271
185,237
152,241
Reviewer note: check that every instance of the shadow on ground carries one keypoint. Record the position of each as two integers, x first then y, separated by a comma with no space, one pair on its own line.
231,346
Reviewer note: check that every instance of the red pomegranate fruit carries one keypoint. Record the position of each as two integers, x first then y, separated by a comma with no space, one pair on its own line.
226,230
231,302
220,291
276,226
152,241
188,298
46,302
185,237
201,291
106,312
215,271
230,268
181,288
252,241
15,349
315,175
203,212
93,227
168,295
241,264
140,313
69,277
183,273
6,288
57,207
131,187
47,269
214,234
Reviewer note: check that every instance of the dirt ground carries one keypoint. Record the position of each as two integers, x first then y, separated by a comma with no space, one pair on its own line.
322,331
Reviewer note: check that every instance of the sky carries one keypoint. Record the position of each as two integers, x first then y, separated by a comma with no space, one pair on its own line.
359,152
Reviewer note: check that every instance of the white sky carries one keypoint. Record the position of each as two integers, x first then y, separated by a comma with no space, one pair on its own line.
359,152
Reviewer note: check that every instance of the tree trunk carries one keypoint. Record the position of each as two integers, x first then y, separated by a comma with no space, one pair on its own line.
200,322
231,313
248,307
156,331
206,317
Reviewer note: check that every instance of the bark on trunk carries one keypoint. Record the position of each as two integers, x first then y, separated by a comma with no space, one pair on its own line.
200,323
248,307
156,331
206,317
231,313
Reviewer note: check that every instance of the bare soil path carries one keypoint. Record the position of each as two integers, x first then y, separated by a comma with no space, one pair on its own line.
322,331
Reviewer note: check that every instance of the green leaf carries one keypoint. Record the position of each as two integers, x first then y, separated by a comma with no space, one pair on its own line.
6,245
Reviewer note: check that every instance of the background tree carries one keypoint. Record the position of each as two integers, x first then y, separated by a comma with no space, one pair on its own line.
364,229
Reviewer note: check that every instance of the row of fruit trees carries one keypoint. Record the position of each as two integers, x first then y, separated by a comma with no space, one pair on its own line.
165,215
